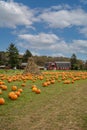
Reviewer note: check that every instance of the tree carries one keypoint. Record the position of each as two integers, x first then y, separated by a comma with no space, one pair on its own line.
3,58
81,64
86,65
74,65
26,55
13,54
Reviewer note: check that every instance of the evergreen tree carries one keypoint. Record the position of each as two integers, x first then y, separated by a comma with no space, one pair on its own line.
13,55
74,65
26,55
86,65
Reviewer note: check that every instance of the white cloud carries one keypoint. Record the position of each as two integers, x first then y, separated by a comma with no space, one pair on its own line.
79,46
41,40
56,8
83,31
53,44
59,7
13,14
64,18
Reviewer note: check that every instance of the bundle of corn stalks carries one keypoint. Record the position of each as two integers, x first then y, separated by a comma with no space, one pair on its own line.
31,67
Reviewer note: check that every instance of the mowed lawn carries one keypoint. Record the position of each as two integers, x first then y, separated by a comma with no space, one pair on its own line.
59,106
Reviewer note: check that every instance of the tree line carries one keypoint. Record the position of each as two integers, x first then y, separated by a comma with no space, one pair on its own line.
11,58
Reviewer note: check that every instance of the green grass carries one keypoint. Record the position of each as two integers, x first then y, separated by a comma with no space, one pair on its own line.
58,107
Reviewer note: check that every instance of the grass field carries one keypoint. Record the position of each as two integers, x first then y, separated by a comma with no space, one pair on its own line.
59,106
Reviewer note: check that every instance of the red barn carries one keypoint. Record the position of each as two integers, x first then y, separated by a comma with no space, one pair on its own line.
58,65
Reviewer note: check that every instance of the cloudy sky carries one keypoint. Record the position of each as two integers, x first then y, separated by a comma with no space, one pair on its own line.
45,27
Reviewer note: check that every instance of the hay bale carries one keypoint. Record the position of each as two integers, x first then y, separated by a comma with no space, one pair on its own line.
31,67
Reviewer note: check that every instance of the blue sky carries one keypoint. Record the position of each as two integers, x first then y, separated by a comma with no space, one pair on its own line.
45,27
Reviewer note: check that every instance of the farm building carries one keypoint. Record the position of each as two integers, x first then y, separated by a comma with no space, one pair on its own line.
2,67
23,65
58,65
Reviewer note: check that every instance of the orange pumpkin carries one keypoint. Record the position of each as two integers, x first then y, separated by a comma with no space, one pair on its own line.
38,91
2,101
20,90
34,89
52,81
9,80
48,82
14,88
33,86
12,95
41,77
67,82
1,82
23,85
72,81
4,87
17,93
45,84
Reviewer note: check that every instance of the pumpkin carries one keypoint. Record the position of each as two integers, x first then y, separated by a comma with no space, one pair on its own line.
34,89
48,82
45,84
33,86
67,82
20,90
4,87
41,77
14,88
23,85
1,83
9,80
72,81
17,93
38,91
12,95
2,101
52,81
